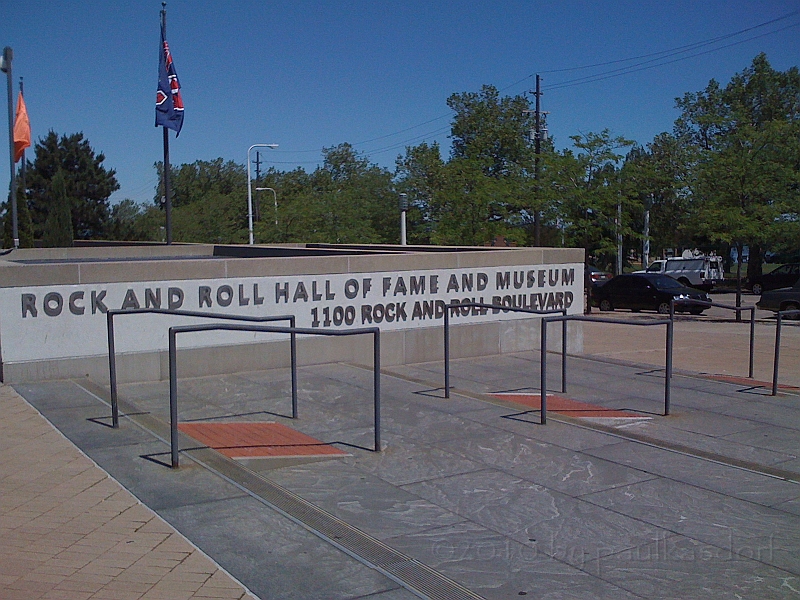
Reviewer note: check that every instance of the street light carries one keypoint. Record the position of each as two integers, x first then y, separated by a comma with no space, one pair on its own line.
403,210
250,188
276,201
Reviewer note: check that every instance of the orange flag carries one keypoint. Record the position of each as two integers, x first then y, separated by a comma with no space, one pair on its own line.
22,129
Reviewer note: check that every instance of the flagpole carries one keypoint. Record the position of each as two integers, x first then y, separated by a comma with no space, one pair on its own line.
167,191
8,55
22,165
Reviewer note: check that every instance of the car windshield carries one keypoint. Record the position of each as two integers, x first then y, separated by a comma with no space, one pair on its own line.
664,282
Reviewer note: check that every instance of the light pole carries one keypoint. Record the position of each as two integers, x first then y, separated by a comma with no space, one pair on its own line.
275,197
250,188
403,210
619,237
646,241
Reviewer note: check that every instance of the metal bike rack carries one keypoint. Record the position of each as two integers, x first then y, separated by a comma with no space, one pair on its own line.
776,359
738,309
173,368
497,307
112,357
670,323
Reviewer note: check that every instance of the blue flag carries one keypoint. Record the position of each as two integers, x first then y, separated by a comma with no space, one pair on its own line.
169,104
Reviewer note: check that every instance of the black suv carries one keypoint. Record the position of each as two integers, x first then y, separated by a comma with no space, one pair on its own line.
784,276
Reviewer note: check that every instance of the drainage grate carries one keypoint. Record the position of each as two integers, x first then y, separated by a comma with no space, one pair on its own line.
408,572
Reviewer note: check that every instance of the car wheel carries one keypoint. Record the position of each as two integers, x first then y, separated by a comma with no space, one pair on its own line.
696,311
605,304
757,289
663,308
792,306
684,281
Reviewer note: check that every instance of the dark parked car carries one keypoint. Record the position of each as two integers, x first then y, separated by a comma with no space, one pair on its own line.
784,276
783,299
647,291
598,277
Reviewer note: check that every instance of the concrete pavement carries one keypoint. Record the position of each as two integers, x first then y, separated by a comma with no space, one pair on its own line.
70,531
471,497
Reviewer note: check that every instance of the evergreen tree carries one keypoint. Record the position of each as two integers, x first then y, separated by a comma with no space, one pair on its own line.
58,225
88,184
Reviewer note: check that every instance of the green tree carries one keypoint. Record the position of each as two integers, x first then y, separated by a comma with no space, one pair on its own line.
589,183
353,201
148,225
347,200
58,226
130,221
215,218
192,182
88,184
656,178
421,175
492,131
294,197
746,177
469,210
209,202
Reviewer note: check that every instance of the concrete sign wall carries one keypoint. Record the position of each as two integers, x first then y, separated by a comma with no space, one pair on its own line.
54,302
49,322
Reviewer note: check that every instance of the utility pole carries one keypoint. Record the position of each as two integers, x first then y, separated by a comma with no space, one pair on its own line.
537,214
646,241
619,236
257,162
256,203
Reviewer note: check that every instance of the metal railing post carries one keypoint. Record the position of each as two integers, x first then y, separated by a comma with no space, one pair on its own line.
543,373
376,382
777,357
112,371
446,351
173,399
752,341
668,369
564,355
293,359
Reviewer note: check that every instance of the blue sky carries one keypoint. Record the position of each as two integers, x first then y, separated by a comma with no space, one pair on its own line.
308,75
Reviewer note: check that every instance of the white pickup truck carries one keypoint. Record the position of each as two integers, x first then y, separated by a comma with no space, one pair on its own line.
702,272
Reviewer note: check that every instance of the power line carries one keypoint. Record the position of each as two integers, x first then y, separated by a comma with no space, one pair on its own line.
644,65
641,66
380,137
382,150
677,49
655,59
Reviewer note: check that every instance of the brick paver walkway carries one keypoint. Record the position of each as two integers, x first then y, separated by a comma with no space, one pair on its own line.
69,531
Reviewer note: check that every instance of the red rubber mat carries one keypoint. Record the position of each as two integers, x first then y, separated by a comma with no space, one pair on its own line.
257,440
566,406
748,382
